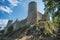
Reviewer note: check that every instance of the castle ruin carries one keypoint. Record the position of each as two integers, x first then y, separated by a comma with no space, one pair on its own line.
33,17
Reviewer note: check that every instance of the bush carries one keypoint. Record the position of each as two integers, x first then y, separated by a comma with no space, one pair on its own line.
10,28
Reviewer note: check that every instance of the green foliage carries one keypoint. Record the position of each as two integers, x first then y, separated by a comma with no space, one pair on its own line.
49,29
1,31
56,21
35,25
10,28
52,7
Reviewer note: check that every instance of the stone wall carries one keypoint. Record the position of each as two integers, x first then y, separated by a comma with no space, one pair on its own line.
39,16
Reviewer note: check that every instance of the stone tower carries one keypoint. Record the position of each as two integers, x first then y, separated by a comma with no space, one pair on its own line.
32,13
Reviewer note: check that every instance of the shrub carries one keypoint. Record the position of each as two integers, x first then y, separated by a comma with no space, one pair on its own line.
10,28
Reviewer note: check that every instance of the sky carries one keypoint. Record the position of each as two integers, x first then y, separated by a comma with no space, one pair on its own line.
16,9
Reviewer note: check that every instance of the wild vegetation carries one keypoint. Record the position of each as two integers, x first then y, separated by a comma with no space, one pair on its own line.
52,8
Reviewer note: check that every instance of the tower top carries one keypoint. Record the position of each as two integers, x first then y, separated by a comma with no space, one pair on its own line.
32,2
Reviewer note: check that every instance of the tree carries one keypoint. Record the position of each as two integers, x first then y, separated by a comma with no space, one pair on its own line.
52,7
0,27
10,28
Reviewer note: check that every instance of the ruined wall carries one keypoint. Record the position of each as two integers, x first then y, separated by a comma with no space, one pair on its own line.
39,17
8,25
16,25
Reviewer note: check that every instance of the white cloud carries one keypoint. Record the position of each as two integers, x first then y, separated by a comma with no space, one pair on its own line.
14,2
3,23
22,3
6,9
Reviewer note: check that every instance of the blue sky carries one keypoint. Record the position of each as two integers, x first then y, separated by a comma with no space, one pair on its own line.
13,9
